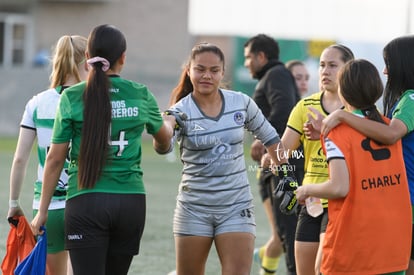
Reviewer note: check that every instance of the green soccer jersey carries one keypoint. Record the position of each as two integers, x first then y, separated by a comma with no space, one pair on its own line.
404,112
134,109
39,116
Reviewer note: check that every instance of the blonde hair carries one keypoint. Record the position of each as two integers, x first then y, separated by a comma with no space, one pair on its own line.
68,54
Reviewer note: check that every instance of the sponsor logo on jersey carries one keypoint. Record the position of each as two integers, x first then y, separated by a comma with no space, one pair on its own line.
197,128
120,109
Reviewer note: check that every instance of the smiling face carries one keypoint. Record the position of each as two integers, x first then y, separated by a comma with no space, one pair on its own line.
329,65
206,71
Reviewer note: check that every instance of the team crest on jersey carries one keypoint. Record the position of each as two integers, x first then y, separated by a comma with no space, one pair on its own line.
239,118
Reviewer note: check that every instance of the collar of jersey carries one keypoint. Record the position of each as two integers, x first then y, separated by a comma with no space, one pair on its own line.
358,113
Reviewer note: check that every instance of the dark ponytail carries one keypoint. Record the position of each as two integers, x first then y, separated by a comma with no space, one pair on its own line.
361,86
106,44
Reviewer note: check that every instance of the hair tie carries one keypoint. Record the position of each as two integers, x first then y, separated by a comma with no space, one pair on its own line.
105,63
368,110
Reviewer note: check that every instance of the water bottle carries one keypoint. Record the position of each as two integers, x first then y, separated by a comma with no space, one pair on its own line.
314,206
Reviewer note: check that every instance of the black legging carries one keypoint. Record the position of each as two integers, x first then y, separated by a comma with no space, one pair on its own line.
116,264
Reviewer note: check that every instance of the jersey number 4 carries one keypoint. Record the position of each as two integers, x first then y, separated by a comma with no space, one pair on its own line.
121,143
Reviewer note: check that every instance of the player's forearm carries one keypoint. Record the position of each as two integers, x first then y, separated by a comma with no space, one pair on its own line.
278,153
50,178
17,174
162,139
377,131
325,190
20,161
55,161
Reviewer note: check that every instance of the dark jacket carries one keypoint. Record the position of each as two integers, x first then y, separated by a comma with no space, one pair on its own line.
276,94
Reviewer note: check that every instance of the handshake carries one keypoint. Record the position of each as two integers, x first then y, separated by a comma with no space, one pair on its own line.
180,117
285,189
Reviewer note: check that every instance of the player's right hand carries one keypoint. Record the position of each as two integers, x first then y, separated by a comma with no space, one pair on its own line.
180,117
38,221
257,150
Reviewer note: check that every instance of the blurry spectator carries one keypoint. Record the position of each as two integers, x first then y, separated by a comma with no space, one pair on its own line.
42,58
301,75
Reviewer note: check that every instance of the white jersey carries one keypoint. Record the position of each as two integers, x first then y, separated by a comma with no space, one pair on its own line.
39,115
212,151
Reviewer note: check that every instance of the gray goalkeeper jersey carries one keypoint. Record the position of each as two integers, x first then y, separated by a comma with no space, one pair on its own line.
214,175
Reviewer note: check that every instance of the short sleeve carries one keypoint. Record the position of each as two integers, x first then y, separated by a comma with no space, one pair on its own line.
404,110
27,118
155,120
295,120
332,150
62,127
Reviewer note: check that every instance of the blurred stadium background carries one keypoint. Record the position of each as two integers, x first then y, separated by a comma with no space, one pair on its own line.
160,34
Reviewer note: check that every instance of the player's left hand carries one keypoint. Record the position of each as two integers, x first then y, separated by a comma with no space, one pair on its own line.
312,128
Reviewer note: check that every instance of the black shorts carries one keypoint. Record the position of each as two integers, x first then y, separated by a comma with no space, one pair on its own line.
309,228
113,222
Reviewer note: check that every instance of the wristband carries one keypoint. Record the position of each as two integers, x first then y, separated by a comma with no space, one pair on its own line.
14,203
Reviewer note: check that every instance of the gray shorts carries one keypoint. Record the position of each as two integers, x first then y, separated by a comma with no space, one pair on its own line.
194,222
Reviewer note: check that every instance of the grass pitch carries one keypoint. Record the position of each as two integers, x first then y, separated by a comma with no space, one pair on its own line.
161,177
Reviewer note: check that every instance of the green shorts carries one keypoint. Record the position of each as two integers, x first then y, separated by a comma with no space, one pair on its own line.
55,227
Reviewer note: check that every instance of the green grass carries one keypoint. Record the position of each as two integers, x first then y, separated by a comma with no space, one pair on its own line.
161,179
7,144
